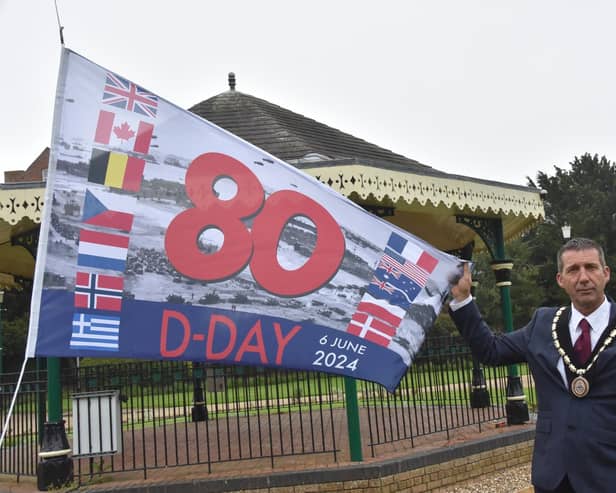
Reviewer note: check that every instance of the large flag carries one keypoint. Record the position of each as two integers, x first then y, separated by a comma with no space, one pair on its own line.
205,248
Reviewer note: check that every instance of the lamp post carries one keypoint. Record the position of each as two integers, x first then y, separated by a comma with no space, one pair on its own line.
199,411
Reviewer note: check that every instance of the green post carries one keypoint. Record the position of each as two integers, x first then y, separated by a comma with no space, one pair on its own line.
55,467
40,399
1,337
508,321
54,391
516,408
503,278
490,229
352,411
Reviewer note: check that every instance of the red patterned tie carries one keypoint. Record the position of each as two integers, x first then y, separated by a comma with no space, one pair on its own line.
581,348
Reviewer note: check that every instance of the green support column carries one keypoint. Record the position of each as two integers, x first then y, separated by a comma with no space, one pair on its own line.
491,232
54,390
40,399
479,396
1,336
352,411
55,467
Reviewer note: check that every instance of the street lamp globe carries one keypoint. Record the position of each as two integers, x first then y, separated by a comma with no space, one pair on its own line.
566,230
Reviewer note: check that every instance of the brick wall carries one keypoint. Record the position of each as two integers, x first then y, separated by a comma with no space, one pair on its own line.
34,173
433,478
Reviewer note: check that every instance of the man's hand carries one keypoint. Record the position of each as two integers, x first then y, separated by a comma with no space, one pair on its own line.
462,289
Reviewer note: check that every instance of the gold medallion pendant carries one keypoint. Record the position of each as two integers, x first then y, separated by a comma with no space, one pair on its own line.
580,387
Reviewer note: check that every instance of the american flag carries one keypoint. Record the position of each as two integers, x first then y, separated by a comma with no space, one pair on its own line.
122,93
397,266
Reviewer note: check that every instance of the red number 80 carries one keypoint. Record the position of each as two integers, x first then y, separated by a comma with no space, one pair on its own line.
242,246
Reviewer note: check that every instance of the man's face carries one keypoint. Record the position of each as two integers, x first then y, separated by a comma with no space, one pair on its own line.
583,278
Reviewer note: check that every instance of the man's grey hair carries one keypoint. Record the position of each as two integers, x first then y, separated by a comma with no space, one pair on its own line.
578,244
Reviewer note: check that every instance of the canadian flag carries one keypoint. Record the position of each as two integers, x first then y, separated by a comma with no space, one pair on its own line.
126,132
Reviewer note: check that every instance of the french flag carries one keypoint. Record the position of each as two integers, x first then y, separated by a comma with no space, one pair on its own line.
412,252
102,250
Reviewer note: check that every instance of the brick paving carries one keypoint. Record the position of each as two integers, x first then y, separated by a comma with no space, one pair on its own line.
226,441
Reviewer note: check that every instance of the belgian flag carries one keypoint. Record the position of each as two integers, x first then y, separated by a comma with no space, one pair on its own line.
116,170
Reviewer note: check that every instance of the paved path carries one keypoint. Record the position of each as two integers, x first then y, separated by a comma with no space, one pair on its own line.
514,480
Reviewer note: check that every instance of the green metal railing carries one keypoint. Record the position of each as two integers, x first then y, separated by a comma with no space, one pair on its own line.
251,413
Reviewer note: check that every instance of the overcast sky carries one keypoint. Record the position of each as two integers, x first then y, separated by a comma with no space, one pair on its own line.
492,89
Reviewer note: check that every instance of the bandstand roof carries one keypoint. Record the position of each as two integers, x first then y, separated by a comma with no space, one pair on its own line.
21,206
424,201
412,195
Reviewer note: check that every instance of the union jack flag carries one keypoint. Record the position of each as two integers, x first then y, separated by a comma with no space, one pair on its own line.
122,93
382,285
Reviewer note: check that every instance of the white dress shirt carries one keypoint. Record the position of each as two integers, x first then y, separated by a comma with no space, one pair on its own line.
598,321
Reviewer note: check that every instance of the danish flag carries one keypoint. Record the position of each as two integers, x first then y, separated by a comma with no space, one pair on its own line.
374,323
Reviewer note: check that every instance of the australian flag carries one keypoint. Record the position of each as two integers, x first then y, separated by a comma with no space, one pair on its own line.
122,93
402,272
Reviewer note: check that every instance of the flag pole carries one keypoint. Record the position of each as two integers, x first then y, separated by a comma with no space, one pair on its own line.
60,26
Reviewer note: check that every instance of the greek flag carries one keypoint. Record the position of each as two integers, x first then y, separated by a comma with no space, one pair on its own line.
95,332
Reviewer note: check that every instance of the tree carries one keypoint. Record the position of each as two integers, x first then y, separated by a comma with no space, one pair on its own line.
526,294
14,334
585,198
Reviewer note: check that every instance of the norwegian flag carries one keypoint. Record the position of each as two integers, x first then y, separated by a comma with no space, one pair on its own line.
122,93
375,322
98,291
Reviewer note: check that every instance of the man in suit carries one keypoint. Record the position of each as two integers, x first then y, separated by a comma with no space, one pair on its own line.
572,356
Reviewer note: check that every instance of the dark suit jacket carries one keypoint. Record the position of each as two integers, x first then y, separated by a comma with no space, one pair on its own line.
575,436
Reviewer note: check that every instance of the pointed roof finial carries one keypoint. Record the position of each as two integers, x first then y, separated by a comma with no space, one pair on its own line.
231,81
